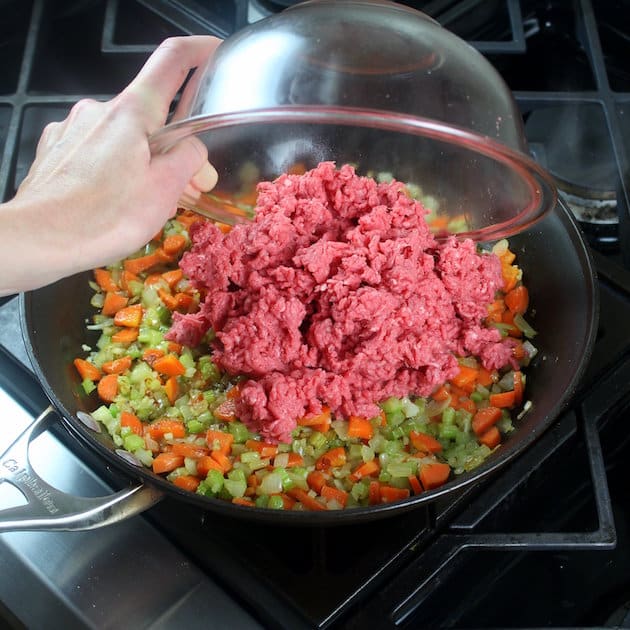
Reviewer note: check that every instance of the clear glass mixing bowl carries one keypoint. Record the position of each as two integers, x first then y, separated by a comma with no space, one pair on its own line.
367,82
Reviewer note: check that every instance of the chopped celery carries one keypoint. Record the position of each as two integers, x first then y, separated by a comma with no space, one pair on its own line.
133,442
275,502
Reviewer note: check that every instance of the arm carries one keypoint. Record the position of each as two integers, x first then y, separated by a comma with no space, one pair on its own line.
94,193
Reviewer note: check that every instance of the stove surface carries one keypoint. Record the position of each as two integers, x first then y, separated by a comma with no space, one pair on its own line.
552,527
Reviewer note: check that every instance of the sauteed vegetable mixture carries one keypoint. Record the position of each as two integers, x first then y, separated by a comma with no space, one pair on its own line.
180,409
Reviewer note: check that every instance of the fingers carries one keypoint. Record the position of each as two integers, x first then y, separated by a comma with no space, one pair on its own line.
164,73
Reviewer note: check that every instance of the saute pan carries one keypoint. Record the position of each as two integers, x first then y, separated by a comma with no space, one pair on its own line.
564,301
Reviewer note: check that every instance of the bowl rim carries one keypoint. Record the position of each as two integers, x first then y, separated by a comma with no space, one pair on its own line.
543,194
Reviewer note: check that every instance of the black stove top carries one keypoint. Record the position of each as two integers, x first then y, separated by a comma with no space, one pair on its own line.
543,543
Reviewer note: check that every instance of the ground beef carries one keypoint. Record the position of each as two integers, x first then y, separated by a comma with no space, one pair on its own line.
337,294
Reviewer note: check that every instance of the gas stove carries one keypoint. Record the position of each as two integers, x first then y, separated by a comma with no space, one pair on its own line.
545,542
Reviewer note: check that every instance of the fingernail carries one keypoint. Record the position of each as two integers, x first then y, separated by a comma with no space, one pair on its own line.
205,178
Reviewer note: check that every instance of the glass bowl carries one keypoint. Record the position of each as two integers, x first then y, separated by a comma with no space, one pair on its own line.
371,83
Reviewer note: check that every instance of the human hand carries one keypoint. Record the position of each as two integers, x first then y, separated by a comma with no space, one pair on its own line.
94,193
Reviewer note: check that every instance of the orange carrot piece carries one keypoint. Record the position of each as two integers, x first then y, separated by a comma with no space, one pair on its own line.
113,302
244,501
416,486
320,418
151,355
366,469
129,317
205,464
143,263
170,301
517,300
468,404
333,493
486,377
187,449
126,278
166,462
440,394
226,411
295,459
332,458
309,502
174,347
222,459
159,428
502,400
174,244
172,277
171,387
359,427
287,501
484,419
187,482
128,419
316,480
104,280
518,387
86,369
466,379
424,442
374,493
169,365
265,449
434,475
219,441
491,438
117,366
125,336
107,387
391,493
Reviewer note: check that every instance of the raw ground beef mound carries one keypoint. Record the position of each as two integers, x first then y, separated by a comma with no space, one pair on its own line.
337,294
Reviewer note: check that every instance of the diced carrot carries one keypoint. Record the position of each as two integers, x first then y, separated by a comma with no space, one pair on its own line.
222,459
104,280
126,278
320,418
143,263
117,366
86,369
187,218
484,419
332,493
169,365
424,442
264,449
244,501
125,336
491,438
158,235
163,256
486,377
383,416
166,462
416,486
287,501
219,441
187,482
518,387
226,411
316,480
502,400
332,458
113,302
365,469
389,494
174,347
359,427
205,464
309,502
171,387
468,404
440,394
159,428
174,244
518,351
185,301
128,419
466,379
496,310
172,277
170,301
517,300
374,493
187,449
107,387
151,355
434,475
130,316
510,276
295,459
154,278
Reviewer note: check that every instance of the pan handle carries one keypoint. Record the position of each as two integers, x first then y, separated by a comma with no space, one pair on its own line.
50,509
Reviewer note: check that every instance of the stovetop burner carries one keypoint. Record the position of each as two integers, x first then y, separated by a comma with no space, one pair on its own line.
553,527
